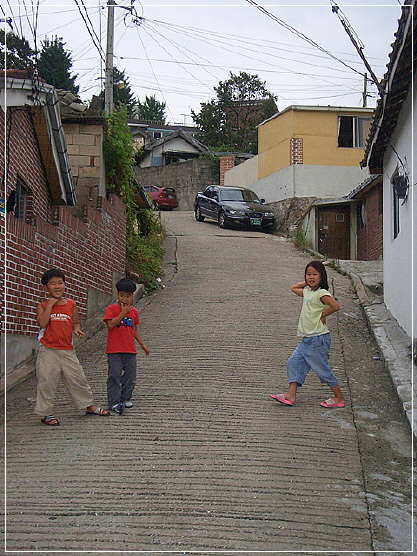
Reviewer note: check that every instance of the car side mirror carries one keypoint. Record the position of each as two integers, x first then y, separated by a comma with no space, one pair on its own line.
262,201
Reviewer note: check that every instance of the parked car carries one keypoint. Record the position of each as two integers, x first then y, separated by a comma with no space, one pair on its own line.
163,197
233,206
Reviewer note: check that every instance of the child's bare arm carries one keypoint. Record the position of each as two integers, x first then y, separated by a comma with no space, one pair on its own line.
44,314
298,288
139,340
76,327
332,304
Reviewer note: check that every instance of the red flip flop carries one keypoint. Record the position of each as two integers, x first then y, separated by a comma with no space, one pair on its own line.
281,399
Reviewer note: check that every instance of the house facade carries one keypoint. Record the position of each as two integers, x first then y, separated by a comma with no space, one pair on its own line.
176,147
389,151
308,152
40,218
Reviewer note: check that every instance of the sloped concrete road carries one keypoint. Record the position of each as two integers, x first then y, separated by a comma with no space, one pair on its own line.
205,460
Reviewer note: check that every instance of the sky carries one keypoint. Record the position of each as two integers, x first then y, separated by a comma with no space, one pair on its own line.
179,50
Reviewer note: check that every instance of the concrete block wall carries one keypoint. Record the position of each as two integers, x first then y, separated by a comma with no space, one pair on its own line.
187,178
85,142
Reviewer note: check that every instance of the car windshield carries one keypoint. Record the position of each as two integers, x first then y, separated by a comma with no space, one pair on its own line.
243,195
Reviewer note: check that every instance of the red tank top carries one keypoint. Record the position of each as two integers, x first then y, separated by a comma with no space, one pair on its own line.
58,332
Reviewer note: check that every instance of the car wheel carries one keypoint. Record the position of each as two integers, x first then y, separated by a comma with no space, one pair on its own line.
198,216
222,220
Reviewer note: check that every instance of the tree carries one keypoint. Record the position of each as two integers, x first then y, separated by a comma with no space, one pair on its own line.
15,52
229,122
54,65
151,109
122,93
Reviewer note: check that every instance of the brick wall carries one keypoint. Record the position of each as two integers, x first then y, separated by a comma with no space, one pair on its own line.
226,163
369,238
296,151
90,250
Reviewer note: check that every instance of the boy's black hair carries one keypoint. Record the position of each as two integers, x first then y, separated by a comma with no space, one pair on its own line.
53,273
319,266
126,285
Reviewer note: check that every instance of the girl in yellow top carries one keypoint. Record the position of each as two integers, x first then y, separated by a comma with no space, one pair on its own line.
313,350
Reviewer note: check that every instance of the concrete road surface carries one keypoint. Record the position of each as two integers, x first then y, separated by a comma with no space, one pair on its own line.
205,460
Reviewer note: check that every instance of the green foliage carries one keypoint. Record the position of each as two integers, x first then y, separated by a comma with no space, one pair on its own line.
144,231
229,122
300,241
151,109
215,164
54,65
15,52
144,249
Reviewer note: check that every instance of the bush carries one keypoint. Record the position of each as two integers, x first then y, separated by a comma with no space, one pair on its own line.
144,230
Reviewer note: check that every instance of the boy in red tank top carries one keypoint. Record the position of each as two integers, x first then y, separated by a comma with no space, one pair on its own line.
58,319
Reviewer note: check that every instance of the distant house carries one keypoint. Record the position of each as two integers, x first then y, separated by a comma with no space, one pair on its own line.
308,151
389,151
178,146
157,130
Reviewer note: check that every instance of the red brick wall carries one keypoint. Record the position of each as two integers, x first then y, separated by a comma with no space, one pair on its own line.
369,238
226,163
88,249
23,159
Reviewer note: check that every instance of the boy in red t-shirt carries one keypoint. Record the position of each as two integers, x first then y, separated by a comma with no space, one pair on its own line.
58,319
122,330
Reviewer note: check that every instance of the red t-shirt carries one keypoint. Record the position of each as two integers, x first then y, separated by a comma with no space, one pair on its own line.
58,332
120,339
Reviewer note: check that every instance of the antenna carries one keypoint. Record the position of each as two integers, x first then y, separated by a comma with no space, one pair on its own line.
357,43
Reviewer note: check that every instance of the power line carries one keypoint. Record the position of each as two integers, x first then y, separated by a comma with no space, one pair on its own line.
300,35
93,38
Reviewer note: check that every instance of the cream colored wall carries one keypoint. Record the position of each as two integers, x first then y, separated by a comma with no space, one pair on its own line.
317,128
243,175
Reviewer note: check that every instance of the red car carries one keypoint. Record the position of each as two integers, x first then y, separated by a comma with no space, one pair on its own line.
163,197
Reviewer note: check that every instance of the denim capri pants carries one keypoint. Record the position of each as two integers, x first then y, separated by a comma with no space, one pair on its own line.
311,353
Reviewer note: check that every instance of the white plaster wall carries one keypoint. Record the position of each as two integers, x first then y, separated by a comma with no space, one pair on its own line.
398,253
301,180
243,175
277,186
177,145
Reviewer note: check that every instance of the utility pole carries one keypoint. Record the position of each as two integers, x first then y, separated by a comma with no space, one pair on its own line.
108,87
357,43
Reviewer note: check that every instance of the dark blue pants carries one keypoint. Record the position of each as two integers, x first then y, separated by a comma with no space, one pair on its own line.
121,378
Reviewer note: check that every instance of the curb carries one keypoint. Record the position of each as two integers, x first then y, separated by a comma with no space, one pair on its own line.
393,345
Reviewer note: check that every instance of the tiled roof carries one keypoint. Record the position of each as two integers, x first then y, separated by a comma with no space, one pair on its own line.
397,82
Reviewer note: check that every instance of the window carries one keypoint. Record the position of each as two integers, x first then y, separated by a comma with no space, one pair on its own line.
20,202
352,131
157,134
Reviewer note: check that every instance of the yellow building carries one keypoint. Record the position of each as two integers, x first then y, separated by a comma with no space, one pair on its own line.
312,135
